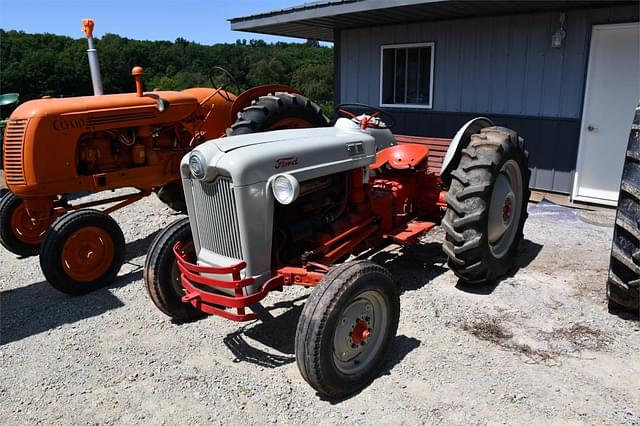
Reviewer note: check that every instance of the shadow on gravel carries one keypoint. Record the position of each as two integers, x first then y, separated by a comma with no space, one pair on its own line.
624,315
278,333
415,265
38,307
527,252
400,347
139,247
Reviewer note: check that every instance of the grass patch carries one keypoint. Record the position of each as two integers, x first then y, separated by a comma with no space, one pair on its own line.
559,341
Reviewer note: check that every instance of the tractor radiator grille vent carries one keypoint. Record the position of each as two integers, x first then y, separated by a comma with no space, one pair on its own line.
12,152
119,118
217,217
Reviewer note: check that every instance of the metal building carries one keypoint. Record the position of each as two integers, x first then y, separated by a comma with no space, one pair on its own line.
565,74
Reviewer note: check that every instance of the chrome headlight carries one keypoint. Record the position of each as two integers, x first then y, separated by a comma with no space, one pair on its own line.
197,165
285,188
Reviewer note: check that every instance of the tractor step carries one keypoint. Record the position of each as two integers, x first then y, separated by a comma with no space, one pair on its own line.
409,232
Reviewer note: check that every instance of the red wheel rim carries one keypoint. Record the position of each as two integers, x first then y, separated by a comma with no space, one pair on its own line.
27,229
87,254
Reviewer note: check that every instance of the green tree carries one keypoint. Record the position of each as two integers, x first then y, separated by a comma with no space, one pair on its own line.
45,64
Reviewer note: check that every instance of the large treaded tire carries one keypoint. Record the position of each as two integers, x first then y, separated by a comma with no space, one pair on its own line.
324,313
161,274
623,284
54,246
466,222
279,111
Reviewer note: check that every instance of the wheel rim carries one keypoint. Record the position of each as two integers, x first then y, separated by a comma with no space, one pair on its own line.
360,333
26,229
290,123
188,249
505,209
87,254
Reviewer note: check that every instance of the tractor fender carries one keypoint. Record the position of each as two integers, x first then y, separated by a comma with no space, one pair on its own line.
245,98
460,141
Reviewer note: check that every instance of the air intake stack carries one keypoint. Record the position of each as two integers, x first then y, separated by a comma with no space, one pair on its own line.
92,53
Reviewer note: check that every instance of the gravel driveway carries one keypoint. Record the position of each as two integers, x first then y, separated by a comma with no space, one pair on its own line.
540,347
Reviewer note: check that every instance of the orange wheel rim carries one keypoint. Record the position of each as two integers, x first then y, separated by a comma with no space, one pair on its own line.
87,254
27,229
290,123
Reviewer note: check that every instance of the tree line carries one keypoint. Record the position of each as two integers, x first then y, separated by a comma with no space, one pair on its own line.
37,65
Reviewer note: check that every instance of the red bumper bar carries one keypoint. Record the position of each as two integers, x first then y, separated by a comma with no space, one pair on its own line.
212,301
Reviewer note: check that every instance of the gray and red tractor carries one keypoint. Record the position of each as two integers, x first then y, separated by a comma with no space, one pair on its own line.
309,207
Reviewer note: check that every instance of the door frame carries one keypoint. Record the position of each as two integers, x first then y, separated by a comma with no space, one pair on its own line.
583,122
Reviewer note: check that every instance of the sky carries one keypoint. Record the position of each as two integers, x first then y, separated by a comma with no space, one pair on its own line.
202,21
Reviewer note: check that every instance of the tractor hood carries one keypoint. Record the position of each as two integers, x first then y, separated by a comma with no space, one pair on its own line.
303,153
234,142
88,104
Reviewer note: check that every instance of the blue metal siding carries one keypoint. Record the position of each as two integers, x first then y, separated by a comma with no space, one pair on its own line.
500,65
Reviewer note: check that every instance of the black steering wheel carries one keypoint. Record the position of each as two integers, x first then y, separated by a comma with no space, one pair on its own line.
227,74
353,110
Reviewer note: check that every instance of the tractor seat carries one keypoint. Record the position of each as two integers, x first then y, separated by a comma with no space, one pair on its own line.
405,156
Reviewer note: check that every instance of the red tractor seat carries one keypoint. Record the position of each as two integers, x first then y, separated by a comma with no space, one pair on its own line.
406,156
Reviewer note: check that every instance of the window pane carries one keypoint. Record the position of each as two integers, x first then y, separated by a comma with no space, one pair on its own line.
412,76
425,76
388,65
406,75
401,74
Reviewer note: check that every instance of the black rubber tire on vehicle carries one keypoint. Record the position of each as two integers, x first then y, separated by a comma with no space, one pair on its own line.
623,283
279,111
161,274
8,238
172,195
324,327
481,206
82,252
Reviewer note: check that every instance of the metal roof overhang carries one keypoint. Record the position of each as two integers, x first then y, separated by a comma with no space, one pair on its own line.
318,21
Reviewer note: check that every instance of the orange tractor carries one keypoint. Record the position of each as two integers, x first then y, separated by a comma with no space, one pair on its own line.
55,148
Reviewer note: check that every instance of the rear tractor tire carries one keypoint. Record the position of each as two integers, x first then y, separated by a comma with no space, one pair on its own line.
161,273
19,233
623,284
83,251
346,328
276,112
172,195
487,206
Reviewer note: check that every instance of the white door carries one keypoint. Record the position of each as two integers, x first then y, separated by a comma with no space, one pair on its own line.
611,94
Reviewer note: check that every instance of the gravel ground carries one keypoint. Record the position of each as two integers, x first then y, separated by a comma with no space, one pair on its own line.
540,347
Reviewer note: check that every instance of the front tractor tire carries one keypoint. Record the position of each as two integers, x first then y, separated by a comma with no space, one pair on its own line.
346,328
487,206
19,233
276,112
161,273
82,252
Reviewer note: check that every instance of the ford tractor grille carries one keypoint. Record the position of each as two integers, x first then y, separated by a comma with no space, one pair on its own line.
216,217
12,152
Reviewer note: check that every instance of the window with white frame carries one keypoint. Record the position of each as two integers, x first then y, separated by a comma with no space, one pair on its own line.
406,75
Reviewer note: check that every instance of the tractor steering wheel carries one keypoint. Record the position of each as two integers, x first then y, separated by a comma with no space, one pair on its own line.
227,74
353,110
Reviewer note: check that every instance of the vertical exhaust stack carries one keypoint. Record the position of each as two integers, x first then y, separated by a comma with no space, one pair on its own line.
92,53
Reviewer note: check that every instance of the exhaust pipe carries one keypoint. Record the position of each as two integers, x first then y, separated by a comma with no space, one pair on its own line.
92,54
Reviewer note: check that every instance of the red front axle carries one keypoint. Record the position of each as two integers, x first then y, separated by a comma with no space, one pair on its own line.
204,294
